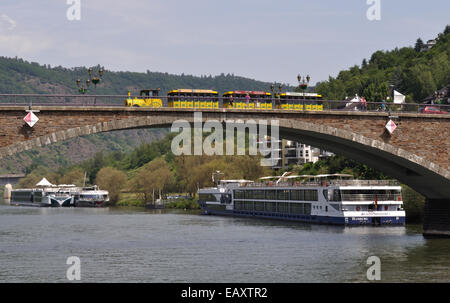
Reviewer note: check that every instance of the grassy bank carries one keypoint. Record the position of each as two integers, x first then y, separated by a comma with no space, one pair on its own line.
132,199
183,204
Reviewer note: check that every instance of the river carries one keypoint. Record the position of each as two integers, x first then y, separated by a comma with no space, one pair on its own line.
136,245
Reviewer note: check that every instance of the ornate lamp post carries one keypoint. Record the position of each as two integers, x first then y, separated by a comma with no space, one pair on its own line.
303,83
93,78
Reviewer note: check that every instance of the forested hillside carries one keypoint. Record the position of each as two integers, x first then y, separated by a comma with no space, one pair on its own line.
73,151
19,76
413,71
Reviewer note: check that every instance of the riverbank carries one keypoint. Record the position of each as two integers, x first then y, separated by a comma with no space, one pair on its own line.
133,200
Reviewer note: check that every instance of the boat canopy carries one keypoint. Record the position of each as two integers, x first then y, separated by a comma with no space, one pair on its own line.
236,181
333,175
269,177
284,176
45,183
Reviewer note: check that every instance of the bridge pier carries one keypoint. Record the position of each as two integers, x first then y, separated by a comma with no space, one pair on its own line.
436,222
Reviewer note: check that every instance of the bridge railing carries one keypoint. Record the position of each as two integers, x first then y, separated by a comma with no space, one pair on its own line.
218,102
61,100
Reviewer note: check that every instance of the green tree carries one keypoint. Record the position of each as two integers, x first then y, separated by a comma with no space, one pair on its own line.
74,176
152,178
419,45
364,63
447,30
112,180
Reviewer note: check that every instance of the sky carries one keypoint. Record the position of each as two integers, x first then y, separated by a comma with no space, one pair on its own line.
271,41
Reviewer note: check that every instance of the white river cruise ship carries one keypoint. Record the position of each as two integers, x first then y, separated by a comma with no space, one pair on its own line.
324,199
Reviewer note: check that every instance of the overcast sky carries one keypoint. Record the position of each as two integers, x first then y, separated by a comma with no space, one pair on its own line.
261,39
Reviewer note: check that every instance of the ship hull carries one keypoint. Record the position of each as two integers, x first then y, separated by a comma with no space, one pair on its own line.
349,221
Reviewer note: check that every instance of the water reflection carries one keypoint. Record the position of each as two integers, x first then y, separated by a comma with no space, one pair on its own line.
137,245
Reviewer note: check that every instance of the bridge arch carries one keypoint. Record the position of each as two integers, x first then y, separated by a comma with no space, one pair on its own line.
426,177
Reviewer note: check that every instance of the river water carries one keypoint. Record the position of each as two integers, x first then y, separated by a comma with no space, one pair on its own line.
135,245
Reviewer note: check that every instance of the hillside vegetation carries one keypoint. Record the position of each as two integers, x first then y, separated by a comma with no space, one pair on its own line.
19,76
73,151
414,73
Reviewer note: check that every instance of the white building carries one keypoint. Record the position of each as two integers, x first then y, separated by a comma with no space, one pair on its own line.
291,152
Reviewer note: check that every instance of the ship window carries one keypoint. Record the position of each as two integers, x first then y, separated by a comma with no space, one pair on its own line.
311,195
258,194
239,194
271,194
307,208
271,206
259,206
297,208
297,195
283,194
369,195
283,207
336,195
202,197
248,194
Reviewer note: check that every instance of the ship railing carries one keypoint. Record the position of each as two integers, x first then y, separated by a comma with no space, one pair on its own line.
324,183
370,197
364,182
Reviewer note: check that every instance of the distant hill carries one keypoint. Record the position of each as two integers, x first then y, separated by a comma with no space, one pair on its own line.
73,151
414,71
20,76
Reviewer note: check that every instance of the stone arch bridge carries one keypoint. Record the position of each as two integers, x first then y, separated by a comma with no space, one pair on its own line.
417,153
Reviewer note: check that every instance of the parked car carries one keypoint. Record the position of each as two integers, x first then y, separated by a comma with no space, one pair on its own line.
432,110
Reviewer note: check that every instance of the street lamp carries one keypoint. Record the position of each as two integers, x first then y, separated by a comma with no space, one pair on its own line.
303,83
93,78
81,88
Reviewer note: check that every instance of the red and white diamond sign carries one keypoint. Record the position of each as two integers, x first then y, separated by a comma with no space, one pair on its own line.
390,126
31,119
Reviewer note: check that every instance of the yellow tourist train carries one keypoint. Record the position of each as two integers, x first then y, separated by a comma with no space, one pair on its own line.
300,101
193,98
236,99
147,98
247,99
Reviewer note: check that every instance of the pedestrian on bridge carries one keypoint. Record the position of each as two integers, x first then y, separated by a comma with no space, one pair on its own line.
231,100
363,104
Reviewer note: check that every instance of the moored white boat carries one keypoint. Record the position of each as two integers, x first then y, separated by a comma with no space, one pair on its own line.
326,199
64,195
